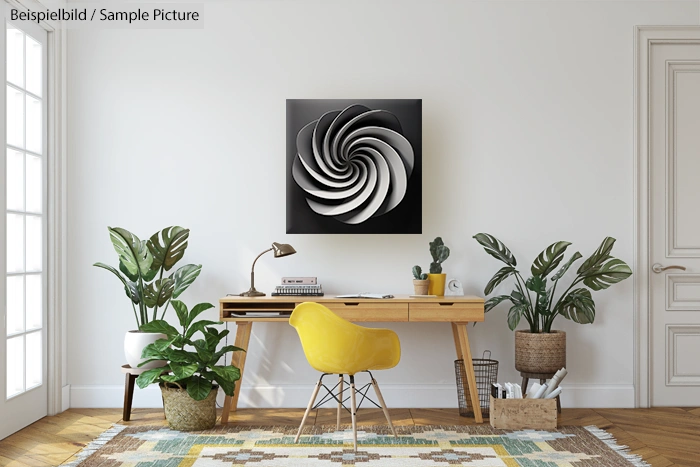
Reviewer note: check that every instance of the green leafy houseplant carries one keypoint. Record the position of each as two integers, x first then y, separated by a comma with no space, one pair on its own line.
440,253
193,368
418,274
535,298
143,264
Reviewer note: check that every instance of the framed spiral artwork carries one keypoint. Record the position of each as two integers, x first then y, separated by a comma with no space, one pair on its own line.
354,166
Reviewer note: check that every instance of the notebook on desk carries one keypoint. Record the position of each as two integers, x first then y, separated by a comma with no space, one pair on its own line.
366,295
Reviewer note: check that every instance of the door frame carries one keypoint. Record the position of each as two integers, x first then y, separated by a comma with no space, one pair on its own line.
55,329
645,37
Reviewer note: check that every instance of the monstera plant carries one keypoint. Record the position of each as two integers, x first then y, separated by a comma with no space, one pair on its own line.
143,265
536,298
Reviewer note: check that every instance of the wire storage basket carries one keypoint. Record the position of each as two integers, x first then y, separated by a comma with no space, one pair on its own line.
486,372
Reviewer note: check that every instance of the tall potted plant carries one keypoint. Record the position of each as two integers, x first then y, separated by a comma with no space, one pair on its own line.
190,380
540,349
142,268
439,252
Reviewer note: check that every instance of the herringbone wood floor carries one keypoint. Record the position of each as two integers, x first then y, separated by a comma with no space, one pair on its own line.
662,436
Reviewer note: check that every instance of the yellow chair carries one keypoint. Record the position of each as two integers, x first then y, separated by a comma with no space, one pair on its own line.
335,346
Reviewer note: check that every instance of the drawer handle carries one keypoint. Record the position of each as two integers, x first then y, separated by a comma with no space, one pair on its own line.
352,303
446,304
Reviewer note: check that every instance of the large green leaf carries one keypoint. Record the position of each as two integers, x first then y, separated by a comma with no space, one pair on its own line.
168,247
492,302
183,371
560,273
611,272
133,253
129,287
501,275
496,248
198,388
542,305
149,376
549,259
181,311
514,315
160,326
518,299
537,285
199,326
184,277
203,350
578,306
597,258
228,373
225,349
151,351
228,386
183,357
197,310
158,292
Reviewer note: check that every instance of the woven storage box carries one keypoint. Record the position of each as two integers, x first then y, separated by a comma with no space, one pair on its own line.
521,414
540,352
186,414
486,373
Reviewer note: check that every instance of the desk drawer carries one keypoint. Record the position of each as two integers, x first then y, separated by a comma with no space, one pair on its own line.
369,311
446,311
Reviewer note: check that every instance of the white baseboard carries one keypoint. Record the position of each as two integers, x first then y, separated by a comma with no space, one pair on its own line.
396,395
65,398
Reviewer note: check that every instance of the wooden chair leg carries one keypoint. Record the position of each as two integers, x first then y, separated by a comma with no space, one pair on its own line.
340,401
308,409
384,408
128,396
353,412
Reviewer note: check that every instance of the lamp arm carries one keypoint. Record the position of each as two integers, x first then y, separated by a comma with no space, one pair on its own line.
252,268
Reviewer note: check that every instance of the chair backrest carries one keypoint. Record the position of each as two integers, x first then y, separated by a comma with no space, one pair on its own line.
334,345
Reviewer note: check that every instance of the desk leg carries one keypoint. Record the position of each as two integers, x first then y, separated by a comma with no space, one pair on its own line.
458,346
469,368
243,329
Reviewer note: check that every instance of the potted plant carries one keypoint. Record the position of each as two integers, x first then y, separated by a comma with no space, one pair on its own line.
440,253
540,349
191,377
143,264
420,281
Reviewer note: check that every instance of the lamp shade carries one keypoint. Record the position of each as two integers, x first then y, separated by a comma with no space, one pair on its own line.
282,249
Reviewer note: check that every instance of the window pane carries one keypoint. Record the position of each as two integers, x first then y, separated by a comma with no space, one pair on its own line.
15,117
15,180
15,366
15,53
15,304
35,142
33,67
15,243
34,184
34,244
34,299
34,351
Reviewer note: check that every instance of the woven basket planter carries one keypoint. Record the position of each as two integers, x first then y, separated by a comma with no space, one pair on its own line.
540,352
186,414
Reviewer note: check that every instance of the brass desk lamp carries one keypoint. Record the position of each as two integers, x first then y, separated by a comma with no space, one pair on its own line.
280,249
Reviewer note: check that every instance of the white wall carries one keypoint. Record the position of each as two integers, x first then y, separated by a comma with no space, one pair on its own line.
527,134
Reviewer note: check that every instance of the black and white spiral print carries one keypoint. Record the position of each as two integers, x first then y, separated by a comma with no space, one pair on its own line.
353,164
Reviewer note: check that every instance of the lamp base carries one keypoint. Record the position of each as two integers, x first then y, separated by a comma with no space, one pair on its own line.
252,293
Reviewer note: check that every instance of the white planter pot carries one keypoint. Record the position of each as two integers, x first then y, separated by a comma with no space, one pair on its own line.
134,342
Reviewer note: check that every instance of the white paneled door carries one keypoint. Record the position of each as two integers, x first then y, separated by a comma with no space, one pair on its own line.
23,388
674,155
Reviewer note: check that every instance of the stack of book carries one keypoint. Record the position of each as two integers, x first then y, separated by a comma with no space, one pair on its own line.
299,286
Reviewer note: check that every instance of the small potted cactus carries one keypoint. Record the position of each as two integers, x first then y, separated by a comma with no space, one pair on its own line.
440,253
420,281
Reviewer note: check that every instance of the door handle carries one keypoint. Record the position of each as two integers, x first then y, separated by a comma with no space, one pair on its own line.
657,268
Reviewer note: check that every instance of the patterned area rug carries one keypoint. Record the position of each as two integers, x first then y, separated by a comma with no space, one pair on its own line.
154,446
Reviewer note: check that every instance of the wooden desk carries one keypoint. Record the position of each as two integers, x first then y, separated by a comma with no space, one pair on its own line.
459,311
